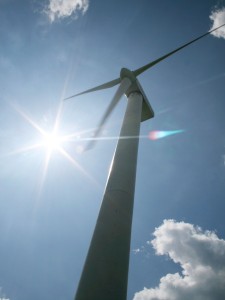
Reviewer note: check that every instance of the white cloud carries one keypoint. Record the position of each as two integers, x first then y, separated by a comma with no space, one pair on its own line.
1,295
201,255
218,18
65,8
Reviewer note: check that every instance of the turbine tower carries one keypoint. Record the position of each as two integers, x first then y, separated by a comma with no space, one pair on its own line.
105,271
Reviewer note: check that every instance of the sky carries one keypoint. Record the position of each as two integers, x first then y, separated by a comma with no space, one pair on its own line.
50,192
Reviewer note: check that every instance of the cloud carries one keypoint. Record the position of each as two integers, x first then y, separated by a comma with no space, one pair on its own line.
1,295
201,255
58,9
218,18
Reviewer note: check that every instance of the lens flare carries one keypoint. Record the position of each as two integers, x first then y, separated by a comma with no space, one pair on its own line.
158,134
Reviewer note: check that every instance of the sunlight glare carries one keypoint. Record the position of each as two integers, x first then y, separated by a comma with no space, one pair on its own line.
51,141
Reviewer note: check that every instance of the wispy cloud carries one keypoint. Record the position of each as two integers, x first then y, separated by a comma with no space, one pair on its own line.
58,9
218,18
201,255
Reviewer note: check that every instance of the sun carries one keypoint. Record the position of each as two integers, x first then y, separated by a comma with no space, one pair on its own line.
51,141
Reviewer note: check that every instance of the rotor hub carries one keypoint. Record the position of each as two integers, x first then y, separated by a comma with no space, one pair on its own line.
126,73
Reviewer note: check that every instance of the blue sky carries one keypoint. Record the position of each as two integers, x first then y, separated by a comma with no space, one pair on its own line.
49,199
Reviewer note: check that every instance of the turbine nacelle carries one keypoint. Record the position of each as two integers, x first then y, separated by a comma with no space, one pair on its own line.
135,87
147,111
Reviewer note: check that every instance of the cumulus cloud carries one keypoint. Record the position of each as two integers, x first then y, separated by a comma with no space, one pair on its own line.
58,9
201,255
218,18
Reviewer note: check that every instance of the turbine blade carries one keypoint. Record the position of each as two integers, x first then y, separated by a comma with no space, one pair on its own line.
97,88
125,83
151,64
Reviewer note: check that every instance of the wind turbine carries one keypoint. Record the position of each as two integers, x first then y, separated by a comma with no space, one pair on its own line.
105,271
